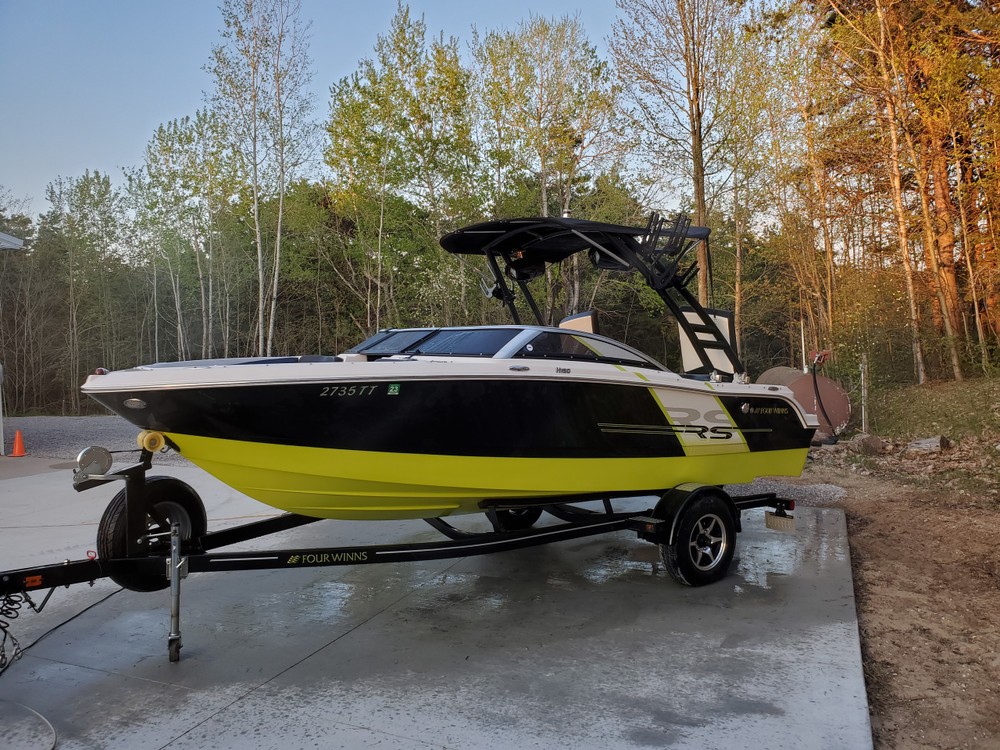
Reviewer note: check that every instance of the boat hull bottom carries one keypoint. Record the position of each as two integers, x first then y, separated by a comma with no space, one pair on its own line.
362,485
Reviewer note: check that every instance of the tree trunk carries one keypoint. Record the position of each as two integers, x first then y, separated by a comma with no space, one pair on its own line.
820,209
896,180
700,208
930,253
967,251
196,249
945,210
903,238
738,271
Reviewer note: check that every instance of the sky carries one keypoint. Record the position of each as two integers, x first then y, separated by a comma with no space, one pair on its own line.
85,83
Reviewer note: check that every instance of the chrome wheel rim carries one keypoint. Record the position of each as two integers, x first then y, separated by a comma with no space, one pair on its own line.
172,512
708,543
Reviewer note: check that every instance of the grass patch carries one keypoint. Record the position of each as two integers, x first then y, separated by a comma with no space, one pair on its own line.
957,410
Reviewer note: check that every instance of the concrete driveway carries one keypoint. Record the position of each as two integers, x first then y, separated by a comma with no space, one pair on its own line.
581,644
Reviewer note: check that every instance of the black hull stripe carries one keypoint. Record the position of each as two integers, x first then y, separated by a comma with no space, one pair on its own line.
503,418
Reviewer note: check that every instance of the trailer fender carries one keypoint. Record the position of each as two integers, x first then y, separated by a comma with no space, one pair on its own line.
673,503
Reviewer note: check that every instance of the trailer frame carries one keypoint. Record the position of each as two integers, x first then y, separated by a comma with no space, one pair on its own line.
659,524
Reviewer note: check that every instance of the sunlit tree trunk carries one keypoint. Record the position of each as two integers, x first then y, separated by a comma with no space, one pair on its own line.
890,123
937,277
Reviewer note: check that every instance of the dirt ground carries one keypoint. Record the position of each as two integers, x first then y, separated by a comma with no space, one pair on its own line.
924,547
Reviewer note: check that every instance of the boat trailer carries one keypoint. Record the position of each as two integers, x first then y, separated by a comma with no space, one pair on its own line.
154,533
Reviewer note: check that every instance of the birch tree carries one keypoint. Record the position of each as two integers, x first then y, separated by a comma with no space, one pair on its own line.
545,92
179,194
262,73
547,95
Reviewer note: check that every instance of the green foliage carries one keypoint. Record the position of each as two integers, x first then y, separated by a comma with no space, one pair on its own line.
401,151
547,104
64,291
402,122
953,409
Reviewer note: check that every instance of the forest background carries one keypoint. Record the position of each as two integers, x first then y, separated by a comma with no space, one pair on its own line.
844,154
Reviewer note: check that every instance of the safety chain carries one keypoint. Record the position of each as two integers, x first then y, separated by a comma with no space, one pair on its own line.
10,608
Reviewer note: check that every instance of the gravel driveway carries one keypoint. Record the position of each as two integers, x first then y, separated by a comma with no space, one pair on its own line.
65,437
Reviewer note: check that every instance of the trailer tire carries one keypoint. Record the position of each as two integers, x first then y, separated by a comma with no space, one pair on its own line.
517,519
703,543
168,500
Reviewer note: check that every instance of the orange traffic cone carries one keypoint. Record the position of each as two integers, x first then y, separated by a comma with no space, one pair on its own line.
18,445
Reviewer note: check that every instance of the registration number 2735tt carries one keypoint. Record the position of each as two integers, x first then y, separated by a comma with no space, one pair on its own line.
347,390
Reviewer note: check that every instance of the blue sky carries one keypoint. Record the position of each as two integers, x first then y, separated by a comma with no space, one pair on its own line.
84,84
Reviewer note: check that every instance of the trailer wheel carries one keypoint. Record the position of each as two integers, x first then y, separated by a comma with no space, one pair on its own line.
167,500
703,545
517,519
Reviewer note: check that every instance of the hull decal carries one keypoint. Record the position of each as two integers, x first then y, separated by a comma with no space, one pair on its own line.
698,418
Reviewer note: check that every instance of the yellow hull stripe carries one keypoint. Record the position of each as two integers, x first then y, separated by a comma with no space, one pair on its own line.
330,483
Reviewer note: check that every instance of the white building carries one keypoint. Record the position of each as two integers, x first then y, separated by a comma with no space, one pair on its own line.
9,242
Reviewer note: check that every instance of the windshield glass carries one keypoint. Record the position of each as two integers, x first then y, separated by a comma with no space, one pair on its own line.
460,342
559,345
479,342
386,343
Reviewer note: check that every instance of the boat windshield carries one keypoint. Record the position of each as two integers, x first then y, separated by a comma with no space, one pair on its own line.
566,345
387,343
454,342
488,342
481,342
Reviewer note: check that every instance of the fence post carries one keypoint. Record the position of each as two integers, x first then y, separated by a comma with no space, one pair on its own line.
864,393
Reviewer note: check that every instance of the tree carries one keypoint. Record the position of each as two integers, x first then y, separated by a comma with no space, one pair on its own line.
79,240
262,73
864,39
179,196
545,94
748,88
671,54
402,153
24,295
545,91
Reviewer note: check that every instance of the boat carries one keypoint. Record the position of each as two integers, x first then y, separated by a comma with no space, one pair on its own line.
438,421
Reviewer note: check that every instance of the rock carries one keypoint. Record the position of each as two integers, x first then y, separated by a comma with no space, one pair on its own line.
934,444
828,447
823,439
868,445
